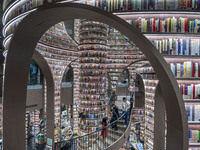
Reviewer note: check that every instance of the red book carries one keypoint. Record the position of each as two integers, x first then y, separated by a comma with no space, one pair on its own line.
154,25
193,91
183,89
188,3
198,69
186,20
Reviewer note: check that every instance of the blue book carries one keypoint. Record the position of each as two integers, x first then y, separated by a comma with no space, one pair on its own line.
186,90
190,133
165,24
179,47
187,47
182,70
184,46
191,113
187,111
175,69
198,4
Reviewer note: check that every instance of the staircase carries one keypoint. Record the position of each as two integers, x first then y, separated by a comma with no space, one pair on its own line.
94,141
113,135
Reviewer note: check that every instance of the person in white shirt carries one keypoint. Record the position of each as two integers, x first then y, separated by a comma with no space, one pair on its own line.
126,107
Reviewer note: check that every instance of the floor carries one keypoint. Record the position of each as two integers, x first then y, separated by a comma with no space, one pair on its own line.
31,144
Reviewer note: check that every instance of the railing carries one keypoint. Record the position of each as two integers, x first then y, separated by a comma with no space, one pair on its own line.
112,97
101,139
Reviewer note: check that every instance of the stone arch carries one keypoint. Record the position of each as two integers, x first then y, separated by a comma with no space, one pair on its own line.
21,50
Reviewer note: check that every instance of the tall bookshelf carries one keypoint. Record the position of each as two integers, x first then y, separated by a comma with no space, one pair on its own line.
120,54
92,59
149,88
59,50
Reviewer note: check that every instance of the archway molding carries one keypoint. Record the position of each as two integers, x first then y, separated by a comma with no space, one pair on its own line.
42,63
21,50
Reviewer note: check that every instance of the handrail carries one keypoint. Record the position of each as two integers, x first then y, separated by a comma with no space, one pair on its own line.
91,135
111,95
112,92
121,140
97,130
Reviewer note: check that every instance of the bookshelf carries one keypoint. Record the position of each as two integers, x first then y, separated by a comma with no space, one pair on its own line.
76,93
92,75
59,52
149,89
179,47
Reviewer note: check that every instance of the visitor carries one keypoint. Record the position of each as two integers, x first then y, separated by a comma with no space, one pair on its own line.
126,107
132,89
115,116
104,132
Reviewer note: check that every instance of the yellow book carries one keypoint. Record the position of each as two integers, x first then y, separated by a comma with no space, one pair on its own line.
157,44
108,5
145,26
184,75
166,43
163,45
114,4
168,20
160,46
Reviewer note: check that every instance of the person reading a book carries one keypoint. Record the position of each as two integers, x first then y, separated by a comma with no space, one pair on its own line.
126,107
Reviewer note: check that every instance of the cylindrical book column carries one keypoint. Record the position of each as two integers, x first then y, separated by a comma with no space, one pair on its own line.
92,57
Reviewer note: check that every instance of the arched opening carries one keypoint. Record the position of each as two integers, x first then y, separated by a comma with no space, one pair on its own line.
176,119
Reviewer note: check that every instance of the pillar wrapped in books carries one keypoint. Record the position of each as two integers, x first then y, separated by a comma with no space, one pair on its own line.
92,57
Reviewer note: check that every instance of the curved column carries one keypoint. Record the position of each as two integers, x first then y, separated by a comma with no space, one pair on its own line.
21,50
41,62
159,120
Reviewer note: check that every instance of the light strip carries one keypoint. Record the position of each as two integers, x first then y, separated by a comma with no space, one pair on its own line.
171,35
5,53
21,16
67,1
7,39
157,12
57,49
14,6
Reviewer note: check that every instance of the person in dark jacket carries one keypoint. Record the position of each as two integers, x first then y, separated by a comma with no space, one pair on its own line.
115,116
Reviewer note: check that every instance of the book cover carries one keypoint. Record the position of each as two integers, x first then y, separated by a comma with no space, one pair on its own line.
186,92
191,113
187,47
186,24
193,94
182,70
189,92
196,70
178,70
196,91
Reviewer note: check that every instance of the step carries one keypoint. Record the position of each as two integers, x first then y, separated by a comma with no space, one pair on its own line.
118,132
100,143
114,137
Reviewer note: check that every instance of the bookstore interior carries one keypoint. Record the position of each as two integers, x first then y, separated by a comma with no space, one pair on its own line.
91,84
